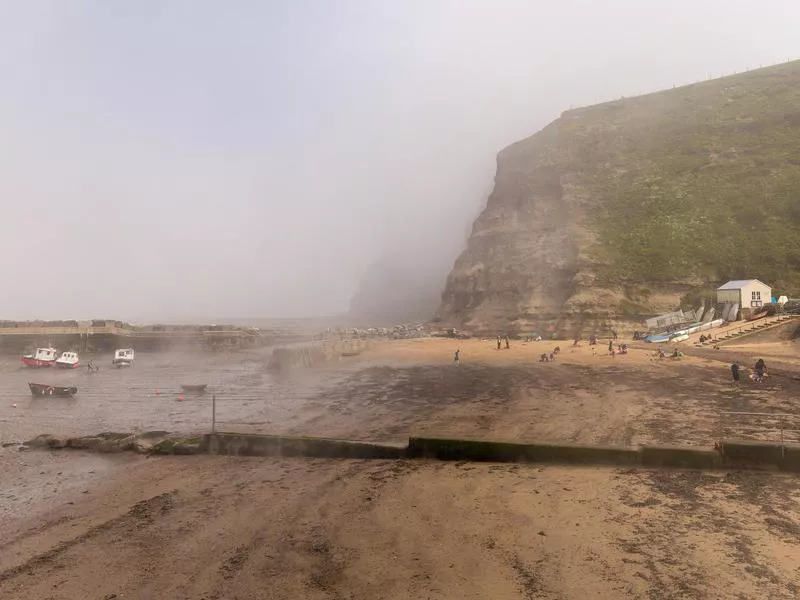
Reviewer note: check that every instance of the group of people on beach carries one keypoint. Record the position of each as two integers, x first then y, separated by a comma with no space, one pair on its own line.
499,341
551,357
758,375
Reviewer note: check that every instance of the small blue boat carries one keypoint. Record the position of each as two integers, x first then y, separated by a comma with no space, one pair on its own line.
656,339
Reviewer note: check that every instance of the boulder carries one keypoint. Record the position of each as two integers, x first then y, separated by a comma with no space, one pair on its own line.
46,440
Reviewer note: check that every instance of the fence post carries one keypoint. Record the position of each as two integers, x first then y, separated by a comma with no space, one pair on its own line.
213,414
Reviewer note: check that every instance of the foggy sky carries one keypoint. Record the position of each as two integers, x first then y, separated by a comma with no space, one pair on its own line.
199,160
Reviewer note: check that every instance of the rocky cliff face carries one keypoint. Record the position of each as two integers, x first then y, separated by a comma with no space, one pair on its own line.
616,211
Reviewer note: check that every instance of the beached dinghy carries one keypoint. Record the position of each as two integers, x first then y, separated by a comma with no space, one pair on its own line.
43,389
194,387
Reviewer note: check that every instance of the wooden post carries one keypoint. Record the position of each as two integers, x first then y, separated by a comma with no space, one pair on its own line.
213,414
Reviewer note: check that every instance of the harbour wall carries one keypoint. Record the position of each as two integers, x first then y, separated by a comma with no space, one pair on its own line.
106,339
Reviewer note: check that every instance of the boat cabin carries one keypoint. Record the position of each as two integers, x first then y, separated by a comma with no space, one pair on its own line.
45,354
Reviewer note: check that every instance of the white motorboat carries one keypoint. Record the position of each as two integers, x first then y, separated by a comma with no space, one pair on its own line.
123,357
68,360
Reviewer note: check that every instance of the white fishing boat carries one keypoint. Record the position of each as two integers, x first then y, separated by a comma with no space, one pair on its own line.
68,360
123,357
43,357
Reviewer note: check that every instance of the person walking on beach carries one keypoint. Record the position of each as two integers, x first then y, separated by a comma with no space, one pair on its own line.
498,342
735,372
508,346
456,355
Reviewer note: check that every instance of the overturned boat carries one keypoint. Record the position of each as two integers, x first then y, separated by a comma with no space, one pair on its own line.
123,357
43,389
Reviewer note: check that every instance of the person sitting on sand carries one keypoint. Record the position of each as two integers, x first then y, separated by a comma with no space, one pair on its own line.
760,368
552,356
543,357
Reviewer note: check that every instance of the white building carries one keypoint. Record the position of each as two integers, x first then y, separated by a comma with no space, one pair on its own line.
749,294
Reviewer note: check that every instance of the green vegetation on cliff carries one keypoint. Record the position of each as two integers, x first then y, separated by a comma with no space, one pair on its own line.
699,183
628,208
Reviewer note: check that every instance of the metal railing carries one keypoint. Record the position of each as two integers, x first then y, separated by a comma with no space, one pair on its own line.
761,424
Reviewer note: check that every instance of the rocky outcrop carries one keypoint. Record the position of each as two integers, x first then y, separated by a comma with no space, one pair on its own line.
617,211
150,442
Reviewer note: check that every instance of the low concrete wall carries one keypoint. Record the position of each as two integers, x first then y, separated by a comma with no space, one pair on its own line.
276,445
450,449
732,454
676,456
752,454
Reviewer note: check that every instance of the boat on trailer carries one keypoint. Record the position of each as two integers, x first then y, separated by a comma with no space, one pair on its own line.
68,360
123,357
43,389
42,357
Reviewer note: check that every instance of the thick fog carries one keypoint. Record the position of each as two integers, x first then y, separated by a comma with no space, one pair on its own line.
201,160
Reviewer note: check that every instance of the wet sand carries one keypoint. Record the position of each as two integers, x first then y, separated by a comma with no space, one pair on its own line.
224,527
238,528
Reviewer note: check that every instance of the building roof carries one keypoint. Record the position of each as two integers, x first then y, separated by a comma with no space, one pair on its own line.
738,284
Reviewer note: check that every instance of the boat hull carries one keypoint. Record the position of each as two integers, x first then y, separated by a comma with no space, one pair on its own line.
65,365
194,388
122,362
36,363
42,389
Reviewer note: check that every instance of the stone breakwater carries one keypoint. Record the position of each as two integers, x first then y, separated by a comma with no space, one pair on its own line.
286,357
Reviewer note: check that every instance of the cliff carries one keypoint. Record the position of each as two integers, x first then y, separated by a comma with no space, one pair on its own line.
617,211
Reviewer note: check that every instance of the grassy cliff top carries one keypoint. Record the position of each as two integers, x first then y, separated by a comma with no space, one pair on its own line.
697,183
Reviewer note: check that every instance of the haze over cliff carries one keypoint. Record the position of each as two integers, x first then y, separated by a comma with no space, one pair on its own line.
616,211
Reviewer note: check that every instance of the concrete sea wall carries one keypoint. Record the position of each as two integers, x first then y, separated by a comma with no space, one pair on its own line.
277,445
727,455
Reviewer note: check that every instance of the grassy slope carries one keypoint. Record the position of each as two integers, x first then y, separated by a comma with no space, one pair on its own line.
695,184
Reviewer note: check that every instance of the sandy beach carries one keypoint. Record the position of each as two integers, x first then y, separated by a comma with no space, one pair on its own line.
78,525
